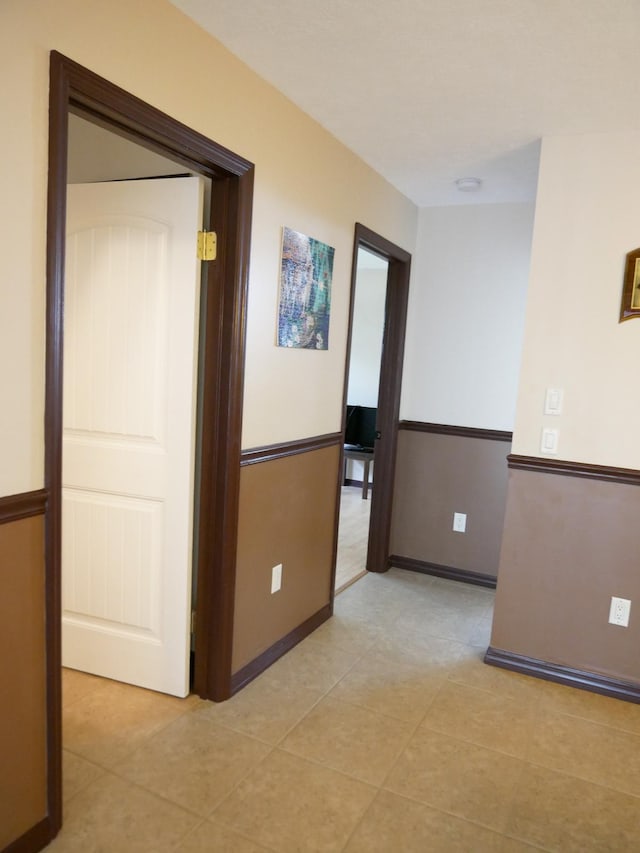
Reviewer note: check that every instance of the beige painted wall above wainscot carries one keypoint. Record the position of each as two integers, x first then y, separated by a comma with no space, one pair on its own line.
23,176
587,218
304,179
296,393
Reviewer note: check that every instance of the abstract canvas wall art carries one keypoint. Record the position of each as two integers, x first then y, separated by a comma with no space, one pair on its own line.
305,292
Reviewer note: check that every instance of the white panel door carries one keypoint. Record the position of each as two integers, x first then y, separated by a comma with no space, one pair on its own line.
130,354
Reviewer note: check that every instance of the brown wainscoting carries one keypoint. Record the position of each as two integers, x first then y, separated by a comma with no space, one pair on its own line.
442,470
33,840
626,476
24,505
277,650
424,568
569,544
289,448
23,660
465,432
591,681
287,516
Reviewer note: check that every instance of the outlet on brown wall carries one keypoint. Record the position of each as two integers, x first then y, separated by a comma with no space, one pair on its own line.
437,475
287,516
570,543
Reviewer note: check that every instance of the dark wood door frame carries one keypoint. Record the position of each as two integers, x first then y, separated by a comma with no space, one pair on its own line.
389,388
74,88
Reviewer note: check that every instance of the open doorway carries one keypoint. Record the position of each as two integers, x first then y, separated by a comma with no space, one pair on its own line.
377,344
75,89
363,381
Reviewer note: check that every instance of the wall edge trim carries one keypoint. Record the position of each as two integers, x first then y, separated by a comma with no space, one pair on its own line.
604,473
34,839
425,568
23,505
289,448
582,679
463,432
264,660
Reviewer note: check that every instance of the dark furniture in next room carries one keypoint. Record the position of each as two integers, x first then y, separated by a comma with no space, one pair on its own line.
359,440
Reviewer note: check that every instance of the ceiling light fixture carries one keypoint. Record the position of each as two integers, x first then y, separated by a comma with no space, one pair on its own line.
468,185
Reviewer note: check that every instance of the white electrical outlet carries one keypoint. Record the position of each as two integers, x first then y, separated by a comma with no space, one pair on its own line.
619,611
276,578
459,522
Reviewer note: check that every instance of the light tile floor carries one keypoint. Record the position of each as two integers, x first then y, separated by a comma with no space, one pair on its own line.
382,731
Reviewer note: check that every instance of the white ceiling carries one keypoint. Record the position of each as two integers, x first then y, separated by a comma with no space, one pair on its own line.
427,91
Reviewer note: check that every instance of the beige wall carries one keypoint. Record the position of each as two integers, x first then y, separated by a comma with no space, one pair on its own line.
304,179
570,544
586,221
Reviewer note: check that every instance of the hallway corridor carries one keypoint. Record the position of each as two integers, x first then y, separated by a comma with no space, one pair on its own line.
382,731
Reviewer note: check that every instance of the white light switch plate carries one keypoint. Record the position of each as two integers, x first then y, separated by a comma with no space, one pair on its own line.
549,442
553,401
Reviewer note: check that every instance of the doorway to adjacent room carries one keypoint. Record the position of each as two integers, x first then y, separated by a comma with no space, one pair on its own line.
381,359
73,90
363,381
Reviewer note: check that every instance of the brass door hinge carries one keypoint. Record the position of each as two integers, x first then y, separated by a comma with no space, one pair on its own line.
207,245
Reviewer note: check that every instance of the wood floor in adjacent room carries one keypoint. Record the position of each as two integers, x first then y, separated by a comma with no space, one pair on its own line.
353,534
382,731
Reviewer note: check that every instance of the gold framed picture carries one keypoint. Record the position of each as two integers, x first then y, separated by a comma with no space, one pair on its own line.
630,306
